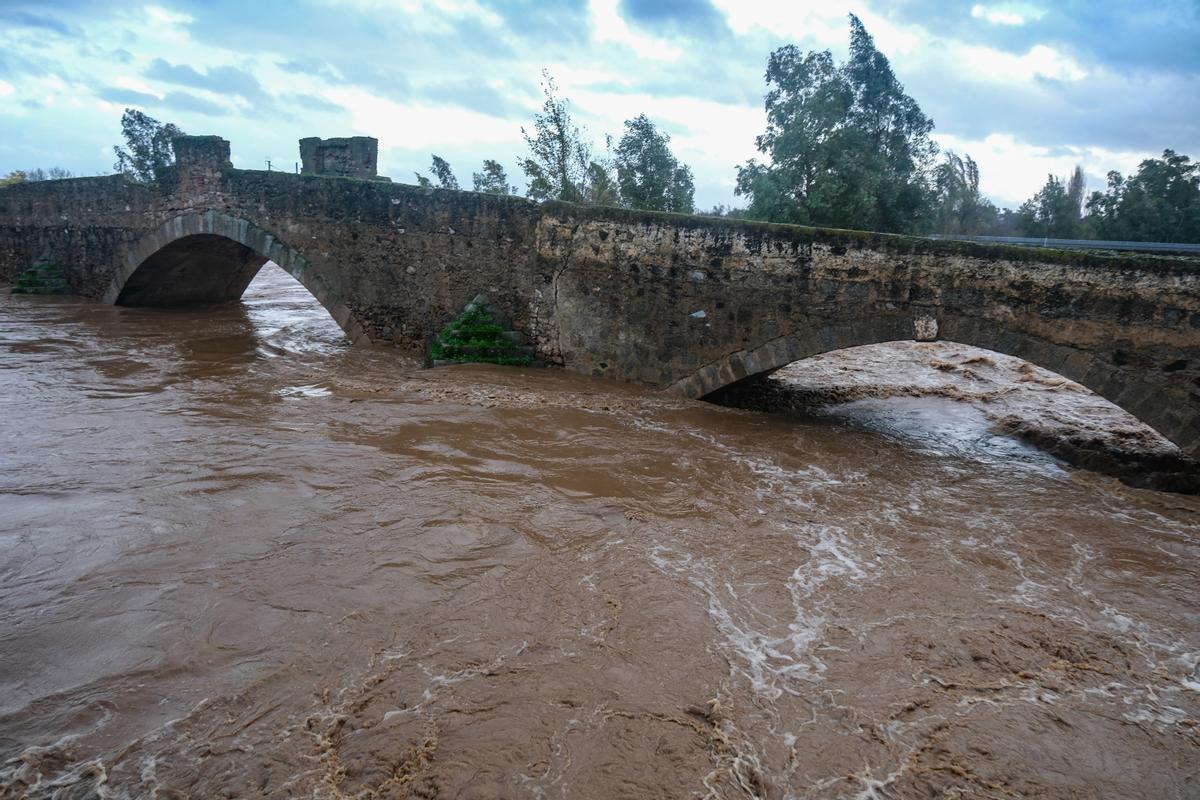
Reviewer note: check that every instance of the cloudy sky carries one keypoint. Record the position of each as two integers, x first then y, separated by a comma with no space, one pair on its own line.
1026,88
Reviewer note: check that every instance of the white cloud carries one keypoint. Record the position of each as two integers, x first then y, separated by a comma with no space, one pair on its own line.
425,16
976,62
417,126
165,24
6,89
820,25
134,84
1007,13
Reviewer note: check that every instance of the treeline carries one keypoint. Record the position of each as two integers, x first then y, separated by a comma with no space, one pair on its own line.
37,174
562,164
1159,203
848,148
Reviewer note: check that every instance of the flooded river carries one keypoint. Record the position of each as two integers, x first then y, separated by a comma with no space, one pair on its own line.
239,558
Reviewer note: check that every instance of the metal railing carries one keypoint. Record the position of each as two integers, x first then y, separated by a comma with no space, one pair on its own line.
1085,244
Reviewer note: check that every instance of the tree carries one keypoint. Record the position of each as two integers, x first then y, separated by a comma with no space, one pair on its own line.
51,174
1055,212
559,164
722,210
600,187
958,208
16,176
1161,202
493,179
441,170
847,146
147,150
648,174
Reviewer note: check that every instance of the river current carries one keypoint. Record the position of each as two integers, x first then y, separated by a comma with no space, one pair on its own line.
240,558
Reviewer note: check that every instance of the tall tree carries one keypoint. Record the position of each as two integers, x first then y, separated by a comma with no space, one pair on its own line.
1055,211
847,146
1076,186
441,171
958,207
1161,202
601,187
493,179
648,174
560,160
147,150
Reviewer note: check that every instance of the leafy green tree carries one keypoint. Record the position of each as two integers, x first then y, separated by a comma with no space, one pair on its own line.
441,171
493,179
1055,212
601,187
847,146
16,176
1161,202
958,207
559,164
147,150
648,174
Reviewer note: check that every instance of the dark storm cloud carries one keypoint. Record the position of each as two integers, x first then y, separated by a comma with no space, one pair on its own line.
28,19
473,95
186,101
311,66
286,28
696,17
14,65
223,80
310,102
547,22
1083,113
1160,36
126,97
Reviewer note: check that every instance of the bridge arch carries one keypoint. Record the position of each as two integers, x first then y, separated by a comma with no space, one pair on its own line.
1122,387
211,258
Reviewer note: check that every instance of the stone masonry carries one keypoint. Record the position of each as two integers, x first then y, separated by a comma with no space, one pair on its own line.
353,157
692,304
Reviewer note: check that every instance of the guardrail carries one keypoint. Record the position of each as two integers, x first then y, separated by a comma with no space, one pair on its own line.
1085,244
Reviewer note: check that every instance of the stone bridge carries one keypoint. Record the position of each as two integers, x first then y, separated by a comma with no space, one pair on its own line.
691,304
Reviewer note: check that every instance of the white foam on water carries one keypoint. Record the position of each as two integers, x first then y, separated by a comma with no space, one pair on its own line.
308,390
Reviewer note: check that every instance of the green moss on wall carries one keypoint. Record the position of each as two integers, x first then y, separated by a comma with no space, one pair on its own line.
479,335
44,277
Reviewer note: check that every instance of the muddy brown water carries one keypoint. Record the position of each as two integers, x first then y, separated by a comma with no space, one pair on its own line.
239,558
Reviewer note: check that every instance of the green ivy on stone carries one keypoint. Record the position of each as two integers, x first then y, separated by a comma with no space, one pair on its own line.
479,335
44,277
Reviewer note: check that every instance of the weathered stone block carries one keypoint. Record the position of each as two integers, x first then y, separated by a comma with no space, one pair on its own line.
348,157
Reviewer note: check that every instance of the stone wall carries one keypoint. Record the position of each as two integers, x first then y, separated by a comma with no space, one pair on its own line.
699,304
351,157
